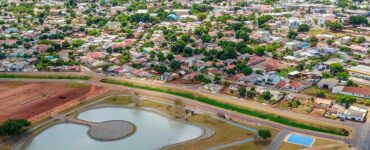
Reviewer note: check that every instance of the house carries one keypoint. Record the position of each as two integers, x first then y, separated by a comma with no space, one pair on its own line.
41,48
293,23
323,103
269,78
214,88
254,60
273,65
293,45
328,83
276,95
353,91
116,26
294,86
352,113
359,49
190,76
359,71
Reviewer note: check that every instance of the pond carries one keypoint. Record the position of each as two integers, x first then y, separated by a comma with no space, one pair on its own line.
153,131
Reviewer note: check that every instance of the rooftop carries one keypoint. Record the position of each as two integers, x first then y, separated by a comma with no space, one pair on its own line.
360,69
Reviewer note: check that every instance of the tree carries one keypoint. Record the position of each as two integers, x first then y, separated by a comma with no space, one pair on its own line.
77,43
361,39
170,56
206,38
263,19
216,79
358,20
259,50
335,68
342,76
335,26
345,99
188,52
160,56
161,69
351,83
13,127
300,66
175,65
66,44
247,70
2,55
321,94
292,34
178,46
242,91
264,133
202,16
342,3
241,34
303,28
266,95
251,93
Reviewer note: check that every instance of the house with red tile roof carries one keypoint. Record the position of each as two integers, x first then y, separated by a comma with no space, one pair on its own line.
273,65
254,60
294,86
190,76
41,48
353,91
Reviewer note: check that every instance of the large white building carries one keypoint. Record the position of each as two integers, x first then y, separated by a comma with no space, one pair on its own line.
359,71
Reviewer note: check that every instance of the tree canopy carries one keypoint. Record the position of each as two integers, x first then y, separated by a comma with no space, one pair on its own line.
264,133
13,127
358,20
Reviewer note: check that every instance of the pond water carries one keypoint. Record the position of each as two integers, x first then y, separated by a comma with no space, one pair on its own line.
153,131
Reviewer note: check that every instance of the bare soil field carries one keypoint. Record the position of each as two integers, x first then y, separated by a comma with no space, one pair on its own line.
26,100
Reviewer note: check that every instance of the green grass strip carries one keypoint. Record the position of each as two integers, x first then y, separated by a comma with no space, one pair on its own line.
14,76
271,117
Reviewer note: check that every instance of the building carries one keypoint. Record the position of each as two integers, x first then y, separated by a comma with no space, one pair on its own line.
360,71
214,88
323,103
328,83
353,113
353,91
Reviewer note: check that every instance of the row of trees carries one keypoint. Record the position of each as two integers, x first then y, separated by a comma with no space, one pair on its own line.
13,127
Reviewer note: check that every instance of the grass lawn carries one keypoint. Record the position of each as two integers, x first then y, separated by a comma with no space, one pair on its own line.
45,76
284,72
118,100
249,146
288,146
314,89
331,145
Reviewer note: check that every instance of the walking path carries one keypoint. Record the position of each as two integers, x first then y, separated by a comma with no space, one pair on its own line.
278,139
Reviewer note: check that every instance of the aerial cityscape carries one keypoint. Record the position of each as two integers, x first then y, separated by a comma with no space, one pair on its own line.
184,74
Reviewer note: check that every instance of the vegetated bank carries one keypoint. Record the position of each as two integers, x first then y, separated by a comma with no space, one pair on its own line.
243,110
45,76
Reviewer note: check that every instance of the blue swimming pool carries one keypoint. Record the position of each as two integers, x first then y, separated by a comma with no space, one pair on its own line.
300,140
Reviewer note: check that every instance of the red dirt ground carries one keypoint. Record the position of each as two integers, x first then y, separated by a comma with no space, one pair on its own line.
30,100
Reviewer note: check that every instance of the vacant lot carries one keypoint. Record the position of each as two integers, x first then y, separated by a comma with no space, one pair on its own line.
27,100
